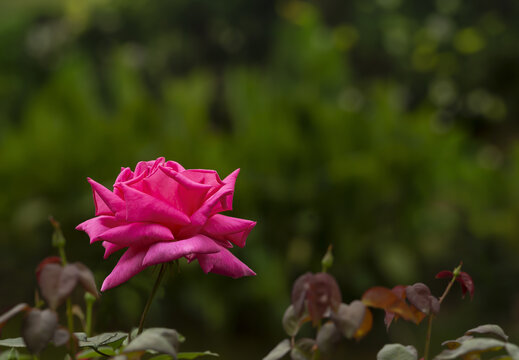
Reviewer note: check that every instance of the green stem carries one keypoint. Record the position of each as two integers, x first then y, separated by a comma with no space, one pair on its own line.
428,338
440,300
150,299
89,300
62,255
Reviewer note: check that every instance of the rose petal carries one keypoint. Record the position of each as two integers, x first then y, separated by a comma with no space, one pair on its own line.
176,189
98,225
110,248
173,165
129,265
229,228
141,207
106,202
225,203
140,234
221,200
202,176
224,263
168,251
125,175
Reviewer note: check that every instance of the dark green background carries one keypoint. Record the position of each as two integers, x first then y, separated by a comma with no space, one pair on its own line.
387,128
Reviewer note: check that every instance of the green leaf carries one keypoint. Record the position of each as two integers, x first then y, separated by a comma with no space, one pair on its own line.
291,322
14,354
397,352
279,351
303,350
489,329
91,353
162,340
162,357
194,355
100,340
475,345
13,343
513,350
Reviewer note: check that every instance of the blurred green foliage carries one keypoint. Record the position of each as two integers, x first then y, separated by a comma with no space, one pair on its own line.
385,128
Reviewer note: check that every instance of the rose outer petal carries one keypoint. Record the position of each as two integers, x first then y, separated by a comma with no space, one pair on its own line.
224,263
225,203
139,234
105,201
98,225
168,251
110,248
129,265
227,228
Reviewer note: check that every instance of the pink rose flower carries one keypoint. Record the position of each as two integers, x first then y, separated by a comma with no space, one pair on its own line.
161,212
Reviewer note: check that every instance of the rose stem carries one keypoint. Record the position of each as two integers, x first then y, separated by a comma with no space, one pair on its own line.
150,299
455,274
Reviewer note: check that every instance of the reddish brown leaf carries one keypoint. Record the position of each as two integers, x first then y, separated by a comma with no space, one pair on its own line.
365,327
399,291
467,285
384,298
444,274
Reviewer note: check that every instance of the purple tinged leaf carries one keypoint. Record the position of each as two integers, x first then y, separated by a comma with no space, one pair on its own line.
327,336
299,290
38,329
46,261
420,296
61,336
86,279
15,310
57,282
324,294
